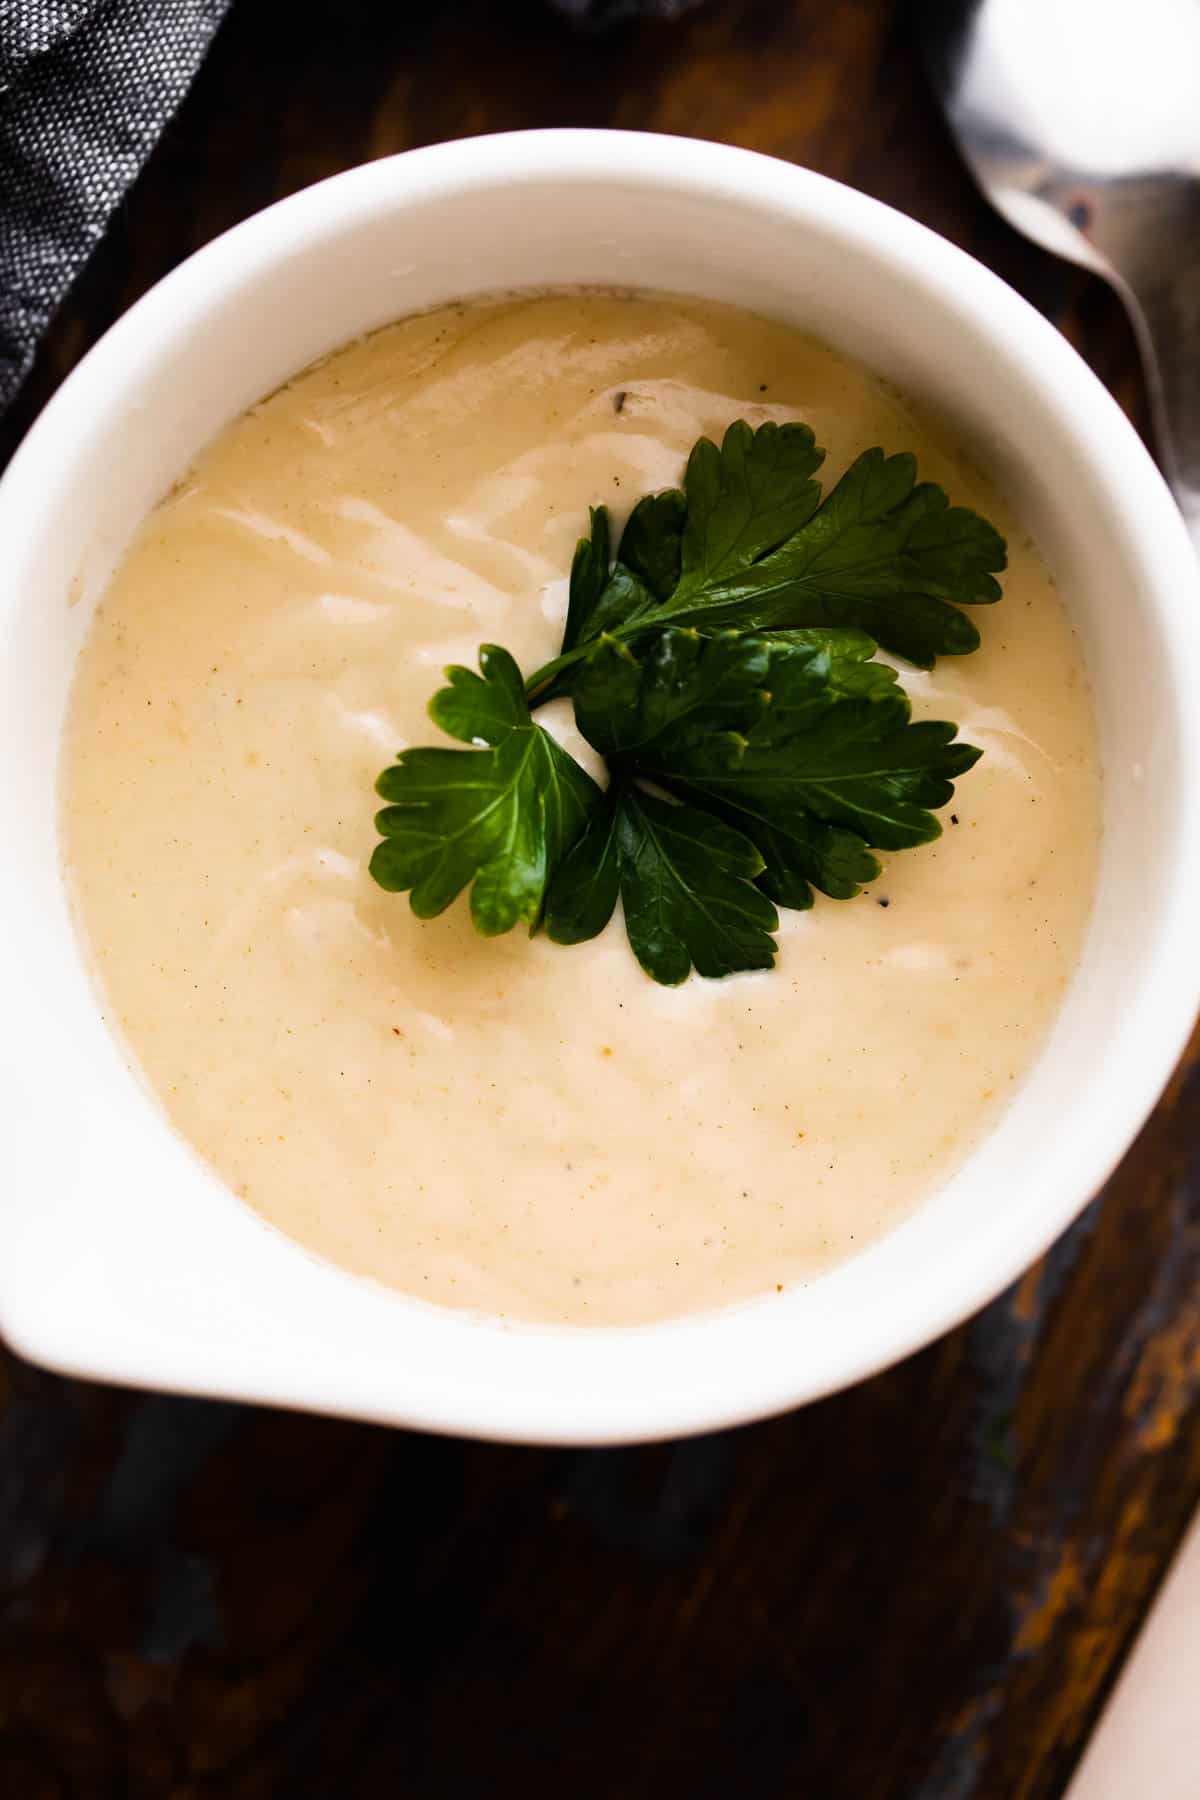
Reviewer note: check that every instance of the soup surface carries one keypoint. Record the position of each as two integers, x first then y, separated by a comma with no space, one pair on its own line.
506,1124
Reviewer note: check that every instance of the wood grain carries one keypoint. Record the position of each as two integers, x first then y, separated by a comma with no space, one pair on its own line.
919,1590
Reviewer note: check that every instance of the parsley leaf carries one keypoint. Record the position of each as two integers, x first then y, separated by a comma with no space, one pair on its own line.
744,500
603,598
846,655
678,683
861,764
882,553
736,504
587,883
759,731
652,541
758,550
482,709
805,855
589,576
501,818
686,883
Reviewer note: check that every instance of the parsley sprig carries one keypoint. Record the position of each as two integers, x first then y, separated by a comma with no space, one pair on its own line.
502,817
748,544
722,662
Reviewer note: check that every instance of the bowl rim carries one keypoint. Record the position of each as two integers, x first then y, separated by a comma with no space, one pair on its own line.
1106,441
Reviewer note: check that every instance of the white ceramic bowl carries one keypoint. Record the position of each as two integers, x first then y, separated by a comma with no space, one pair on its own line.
120,1256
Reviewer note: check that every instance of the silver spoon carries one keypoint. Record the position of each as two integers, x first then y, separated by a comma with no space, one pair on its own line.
1080,120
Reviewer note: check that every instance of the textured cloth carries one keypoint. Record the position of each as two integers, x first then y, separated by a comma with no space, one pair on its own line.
86,87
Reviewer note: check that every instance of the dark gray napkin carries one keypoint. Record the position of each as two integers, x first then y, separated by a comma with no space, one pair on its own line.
86,87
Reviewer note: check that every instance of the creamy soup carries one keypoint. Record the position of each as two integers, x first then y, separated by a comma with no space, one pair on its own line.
507,1124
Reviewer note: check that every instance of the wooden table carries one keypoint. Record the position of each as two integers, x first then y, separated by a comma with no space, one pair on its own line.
919,1590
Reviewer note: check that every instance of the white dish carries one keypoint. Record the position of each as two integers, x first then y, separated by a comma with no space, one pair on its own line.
121,1256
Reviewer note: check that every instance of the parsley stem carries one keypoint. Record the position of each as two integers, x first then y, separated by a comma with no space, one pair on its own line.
542,684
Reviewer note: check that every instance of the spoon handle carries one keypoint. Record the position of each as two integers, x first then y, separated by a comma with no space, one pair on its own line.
1148,233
